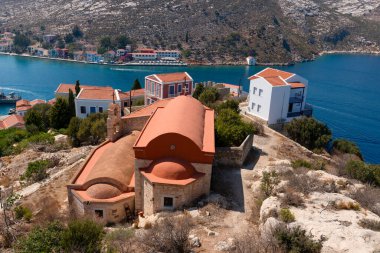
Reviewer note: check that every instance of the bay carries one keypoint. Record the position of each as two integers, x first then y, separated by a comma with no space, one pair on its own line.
344,89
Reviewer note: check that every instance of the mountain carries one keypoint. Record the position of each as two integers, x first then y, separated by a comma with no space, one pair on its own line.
213,31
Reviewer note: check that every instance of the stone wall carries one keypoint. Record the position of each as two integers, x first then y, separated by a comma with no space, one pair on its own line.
134,124
233,156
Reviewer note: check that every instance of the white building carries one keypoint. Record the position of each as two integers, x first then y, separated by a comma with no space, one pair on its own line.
277,96
251,61
144,56
168,54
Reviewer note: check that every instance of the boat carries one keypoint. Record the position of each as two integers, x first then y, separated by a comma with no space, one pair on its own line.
12,111
11,98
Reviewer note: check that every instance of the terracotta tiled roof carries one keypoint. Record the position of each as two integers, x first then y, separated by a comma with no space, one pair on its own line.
97,93
22,102
173,77
12,121
23,108
231,85
150,109
275,81
297,85
135,93
270,72
64,88
37,101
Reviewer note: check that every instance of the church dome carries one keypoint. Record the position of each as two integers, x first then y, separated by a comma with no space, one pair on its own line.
103,191
172,169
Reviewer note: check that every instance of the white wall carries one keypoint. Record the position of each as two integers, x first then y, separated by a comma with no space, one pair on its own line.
279,104
263,100
91,103
297,78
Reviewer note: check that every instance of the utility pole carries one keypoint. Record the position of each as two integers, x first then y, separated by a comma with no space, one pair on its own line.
239,88
130,101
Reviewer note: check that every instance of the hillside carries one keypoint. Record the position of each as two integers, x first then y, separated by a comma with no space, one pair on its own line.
215,31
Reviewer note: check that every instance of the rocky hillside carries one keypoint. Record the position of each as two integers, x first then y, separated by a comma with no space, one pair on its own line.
216,31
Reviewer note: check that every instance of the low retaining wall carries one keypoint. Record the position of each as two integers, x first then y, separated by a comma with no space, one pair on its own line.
233,156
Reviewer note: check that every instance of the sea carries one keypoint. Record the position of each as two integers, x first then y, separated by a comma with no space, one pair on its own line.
343,89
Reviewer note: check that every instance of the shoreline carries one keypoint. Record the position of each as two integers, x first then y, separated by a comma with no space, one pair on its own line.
185,64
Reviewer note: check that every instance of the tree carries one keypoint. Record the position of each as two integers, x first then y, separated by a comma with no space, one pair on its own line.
198,90
106,43
347,147
60,114
187,37
136,85
309,132
37,118
71,103
77,33
208,96
21,42
69,38
231,104
98,130
122,41
61,43
72,131
77,88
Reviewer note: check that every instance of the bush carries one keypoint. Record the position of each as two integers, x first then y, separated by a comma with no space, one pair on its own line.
347,147
208,96
347,205
91,130
229,104
36,171
296,240
368,197
60,114
370,224
8,138
269,182
300,163
292,198
169,235
198,90
230,129
286,215
42,239
309,133
37,118
82,236
119,240
363,172
22,212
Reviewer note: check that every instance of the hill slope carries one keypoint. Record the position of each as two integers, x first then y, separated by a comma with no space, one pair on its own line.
218,31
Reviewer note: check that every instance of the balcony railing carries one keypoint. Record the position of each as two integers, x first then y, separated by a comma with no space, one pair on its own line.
308,112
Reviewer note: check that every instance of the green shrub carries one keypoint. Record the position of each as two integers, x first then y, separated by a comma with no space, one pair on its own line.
82,236
230,129
22,212
269,182
37,118
119,240
309,132
42,239
370,224
286,215
60,114
296,240
8,138
347,147
229,104
36,171
361,171
198,90
300,163
91,130
208,96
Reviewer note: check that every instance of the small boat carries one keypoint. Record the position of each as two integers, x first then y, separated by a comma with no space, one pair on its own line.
12,111
11,98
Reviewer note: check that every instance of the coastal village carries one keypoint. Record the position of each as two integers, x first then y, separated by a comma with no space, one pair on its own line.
179,165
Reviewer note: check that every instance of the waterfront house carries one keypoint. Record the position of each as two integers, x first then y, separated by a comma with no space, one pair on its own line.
251,61
277,96
161,86
109,56
49,38
95,99
165,164
23,105
93,56
168,55
121,52
63,89
78,55
6,47
10,121
144,56
41,52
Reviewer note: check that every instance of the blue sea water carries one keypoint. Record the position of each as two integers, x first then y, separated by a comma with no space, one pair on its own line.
344,89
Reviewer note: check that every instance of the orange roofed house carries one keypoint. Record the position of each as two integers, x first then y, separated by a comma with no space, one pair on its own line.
162,86
158,158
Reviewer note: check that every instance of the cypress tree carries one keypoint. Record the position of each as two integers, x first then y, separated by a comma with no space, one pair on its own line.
71,103
136,85
77,88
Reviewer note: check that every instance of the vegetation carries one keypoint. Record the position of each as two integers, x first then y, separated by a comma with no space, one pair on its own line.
36,171
77,87
198,90
286,215
370,224
119,240
37,118
9,137
347,147
21,42
309,133
230,129
208,96
314,165
77,33
296,240
229,104
347,205
90,130
60,114
136,85
169,235
71,104
22,212
361,171
269,182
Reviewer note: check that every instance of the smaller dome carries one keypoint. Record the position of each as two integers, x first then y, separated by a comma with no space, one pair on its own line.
172,169
103,191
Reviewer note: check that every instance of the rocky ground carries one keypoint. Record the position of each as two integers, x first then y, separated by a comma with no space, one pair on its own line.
214,31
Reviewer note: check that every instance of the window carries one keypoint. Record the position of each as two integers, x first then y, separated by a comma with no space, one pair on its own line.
258,108
179,88
260,92
158,90
253,106
171,90
99,213
254,90
83,109
92,109
100,109
168,202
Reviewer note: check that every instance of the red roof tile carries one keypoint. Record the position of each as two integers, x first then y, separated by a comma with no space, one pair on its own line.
12,121
172,77
270,72
135,93
100,93
297,85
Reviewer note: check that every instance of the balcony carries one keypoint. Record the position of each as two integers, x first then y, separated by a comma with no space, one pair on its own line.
308,112
293,100
294,114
